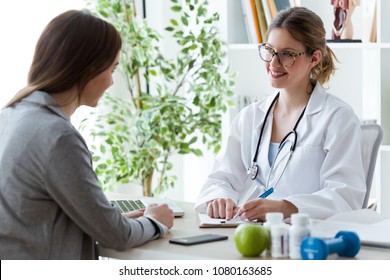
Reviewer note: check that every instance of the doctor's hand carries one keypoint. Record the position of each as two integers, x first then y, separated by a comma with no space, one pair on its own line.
257,208
224,208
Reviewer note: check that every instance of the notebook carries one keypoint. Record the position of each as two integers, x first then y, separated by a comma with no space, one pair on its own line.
204,221
127,205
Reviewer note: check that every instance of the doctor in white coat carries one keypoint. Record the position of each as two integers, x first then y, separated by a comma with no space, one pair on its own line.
299,147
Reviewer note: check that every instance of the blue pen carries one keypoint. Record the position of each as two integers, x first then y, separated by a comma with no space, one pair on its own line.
266,193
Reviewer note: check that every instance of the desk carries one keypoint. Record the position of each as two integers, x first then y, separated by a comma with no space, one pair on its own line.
187,225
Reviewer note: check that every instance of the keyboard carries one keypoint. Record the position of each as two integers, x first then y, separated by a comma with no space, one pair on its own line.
127,205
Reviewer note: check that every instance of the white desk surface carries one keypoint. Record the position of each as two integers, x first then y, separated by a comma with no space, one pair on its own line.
187,225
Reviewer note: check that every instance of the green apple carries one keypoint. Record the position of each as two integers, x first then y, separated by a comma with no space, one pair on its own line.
251,239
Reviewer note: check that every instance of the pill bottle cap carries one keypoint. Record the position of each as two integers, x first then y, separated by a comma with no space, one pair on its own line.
274,217
300,219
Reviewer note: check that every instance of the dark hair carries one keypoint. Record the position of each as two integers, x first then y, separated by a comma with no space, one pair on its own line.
74,48
307,27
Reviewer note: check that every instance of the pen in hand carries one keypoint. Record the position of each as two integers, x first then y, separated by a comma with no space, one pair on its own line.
263,195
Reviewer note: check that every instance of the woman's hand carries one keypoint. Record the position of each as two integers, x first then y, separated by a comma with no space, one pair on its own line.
161,213
134,214
224,208
257,208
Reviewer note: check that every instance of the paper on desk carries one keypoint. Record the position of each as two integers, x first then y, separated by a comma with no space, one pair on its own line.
206,221
372,228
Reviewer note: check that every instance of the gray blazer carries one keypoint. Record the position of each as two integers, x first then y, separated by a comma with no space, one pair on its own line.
51,206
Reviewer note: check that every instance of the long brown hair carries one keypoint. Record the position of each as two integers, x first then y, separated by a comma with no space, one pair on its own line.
307,27
73,48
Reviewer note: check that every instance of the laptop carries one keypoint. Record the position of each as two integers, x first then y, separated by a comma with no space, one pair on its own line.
127,205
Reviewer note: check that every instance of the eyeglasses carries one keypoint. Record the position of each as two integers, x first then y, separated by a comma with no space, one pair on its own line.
285,58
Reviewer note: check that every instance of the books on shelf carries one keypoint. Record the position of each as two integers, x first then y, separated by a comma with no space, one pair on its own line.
293,3
282,4
258,14
272,8
251,21
256,21
373,35
267,12
369,20
262,20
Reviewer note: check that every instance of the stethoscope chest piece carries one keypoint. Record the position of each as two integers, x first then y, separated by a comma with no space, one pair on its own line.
253,170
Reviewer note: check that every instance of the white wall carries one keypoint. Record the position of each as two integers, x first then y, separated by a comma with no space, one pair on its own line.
21,23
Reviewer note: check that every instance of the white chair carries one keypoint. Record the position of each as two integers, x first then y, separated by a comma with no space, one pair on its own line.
372,135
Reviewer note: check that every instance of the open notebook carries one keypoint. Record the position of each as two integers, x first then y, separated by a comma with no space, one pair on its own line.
128,205
204,221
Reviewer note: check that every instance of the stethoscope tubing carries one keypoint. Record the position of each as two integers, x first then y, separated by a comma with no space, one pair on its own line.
253,170
262,129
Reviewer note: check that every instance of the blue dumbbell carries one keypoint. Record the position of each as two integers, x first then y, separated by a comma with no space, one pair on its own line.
345,244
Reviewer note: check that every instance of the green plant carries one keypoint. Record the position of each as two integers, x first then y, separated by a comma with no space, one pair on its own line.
183,107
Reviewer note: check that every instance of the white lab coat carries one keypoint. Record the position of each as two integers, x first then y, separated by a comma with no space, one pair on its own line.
325,173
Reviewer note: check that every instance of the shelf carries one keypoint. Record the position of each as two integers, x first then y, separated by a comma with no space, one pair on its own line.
346,45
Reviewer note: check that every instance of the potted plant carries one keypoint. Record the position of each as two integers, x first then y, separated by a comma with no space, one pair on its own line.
180,108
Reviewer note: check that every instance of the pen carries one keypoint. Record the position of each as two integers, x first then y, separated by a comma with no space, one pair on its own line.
263,195
266,193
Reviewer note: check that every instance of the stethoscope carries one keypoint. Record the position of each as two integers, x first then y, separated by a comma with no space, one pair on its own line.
253,170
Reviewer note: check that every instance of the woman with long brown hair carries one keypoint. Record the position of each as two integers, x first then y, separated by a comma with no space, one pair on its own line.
51,206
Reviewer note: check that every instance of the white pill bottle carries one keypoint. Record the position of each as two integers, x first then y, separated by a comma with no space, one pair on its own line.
298,231
272,218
